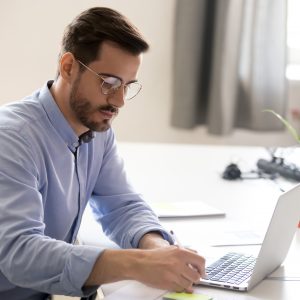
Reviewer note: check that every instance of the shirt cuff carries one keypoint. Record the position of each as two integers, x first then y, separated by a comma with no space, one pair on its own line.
77,270
138,235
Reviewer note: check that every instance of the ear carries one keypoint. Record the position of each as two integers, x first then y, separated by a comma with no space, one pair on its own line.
68,66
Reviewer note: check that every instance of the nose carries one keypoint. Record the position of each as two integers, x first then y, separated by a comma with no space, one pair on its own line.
117,99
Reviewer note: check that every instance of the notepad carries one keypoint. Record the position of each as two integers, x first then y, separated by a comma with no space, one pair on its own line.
179,209
186,296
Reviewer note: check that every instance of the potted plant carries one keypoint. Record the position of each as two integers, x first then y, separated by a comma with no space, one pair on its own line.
289,127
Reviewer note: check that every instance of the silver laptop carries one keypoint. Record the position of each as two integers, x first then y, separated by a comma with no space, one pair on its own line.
242,272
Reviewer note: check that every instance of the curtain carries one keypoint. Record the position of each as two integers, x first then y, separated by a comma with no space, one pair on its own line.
229,64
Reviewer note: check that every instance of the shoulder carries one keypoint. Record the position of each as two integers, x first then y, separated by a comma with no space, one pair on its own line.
106,138
19,128
21,114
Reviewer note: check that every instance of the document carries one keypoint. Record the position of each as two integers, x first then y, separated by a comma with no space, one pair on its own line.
178,209
136,291
237,238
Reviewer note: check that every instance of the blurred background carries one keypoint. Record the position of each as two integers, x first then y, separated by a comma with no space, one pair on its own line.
213,66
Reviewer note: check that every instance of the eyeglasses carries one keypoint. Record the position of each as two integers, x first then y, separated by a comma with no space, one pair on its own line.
111,84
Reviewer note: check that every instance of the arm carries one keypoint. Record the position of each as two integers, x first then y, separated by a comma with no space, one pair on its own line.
165,268
121,211
129,221
28,257
152,240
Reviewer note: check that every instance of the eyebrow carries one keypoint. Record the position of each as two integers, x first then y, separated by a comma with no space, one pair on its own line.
112,75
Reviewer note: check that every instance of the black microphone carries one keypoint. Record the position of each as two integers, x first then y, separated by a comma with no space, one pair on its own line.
86,137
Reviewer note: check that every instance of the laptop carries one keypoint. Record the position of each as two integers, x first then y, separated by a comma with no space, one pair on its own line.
238,271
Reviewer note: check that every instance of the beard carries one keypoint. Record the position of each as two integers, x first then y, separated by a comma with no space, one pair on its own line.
84,110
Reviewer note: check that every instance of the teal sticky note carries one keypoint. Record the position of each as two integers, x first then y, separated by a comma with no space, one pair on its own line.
186,296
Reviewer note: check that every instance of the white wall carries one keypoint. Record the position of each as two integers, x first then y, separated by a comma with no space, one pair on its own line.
30,34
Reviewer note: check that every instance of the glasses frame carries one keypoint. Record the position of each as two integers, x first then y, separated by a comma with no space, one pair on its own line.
113,90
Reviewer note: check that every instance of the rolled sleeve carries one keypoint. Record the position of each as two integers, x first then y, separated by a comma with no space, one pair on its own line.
77,270
137,235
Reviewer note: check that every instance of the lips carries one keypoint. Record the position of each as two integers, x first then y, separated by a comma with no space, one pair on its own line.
108,114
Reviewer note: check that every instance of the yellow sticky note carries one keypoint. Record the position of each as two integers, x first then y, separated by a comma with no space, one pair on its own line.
186,296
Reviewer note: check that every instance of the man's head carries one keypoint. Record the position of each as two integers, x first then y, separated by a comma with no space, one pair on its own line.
98,48
84,36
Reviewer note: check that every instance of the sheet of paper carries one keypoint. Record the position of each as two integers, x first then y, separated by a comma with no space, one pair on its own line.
136,291
177,209
237,238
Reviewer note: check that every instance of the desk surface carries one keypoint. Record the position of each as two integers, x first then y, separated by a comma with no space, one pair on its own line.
170,172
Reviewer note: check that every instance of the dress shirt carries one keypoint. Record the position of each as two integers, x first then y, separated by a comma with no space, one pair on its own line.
44,191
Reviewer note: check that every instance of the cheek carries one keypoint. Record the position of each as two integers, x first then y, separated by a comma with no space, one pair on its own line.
91,95
87,89
85,86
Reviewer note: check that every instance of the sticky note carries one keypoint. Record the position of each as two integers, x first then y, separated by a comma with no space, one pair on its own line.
186,296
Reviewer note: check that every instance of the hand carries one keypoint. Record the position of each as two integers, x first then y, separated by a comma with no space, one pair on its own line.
172,268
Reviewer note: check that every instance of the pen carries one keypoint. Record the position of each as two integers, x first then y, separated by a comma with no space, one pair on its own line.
177,242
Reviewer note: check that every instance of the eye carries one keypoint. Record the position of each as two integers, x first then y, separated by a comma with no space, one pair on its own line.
111,83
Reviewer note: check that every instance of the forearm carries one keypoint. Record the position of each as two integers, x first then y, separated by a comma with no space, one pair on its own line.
115,265
153,240
164,268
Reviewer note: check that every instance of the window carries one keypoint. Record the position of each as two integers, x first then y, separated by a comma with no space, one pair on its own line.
293,40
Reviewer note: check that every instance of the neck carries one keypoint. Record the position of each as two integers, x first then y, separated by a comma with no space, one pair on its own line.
61,94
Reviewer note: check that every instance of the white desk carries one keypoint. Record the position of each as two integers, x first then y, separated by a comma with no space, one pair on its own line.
192,173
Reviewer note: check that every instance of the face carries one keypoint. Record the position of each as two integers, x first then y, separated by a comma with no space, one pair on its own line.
89,107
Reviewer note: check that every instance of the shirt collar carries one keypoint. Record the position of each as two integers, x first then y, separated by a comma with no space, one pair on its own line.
57,119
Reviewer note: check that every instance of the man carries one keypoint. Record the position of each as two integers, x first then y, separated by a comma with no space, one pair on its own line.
58,152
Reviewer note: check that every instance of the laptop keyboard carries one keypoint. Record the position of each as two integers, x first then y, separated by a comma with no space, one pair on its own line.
233,268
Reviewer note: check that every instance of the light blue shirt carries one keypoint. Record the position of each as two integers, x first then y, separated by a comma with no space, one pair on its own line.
44,189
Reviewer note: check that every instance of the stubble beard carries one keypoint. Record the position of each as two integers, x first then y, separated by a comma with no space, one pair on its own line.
83,109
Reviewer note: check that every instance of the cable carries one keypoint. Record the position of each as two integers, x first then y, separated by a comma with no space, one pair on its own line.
277,184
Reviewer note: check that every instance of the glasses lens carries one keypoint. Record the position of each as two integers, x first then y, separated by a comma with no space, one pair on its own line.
110,85
132,89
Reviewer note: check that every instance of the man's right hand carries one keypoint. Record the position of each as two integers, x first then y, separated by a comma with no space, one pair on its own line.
171,268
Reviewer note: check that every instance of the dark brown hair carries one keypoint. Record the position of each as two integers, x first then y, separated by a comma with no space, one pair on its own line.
84,36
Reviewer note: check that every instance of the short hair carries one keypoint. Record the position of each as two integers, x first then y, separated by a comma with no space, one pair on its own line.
85,34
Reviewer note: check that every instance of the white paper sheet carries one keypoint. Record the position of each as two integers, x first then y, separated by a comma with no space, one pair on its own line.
136,291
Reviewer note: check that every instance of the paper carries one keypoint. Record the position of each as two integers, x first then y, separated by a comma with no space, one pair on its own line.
237,238
183,296
136,291
177,209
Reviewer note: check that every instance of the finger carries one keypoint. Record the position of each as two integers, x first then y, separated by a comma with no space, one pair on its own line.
189,289
192,250
197,262
183,283
180,289
190,273
189,286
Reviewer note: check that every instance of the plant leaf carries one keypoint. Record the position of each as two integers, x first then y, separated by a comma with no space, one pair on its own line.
290,128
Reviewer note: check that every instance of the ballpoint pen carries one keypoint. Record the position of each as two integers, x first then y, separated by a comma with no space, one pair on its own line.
177,242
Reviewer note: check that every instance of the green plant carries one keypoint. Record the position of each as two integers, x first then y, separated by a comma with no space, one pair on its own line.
289,127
